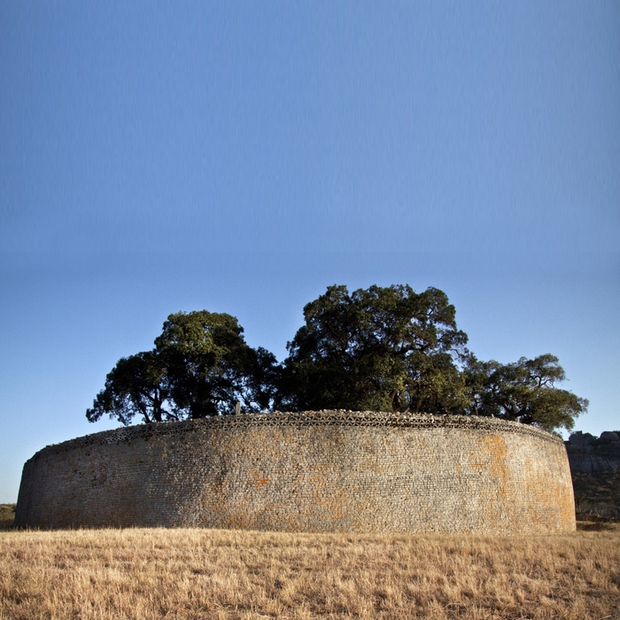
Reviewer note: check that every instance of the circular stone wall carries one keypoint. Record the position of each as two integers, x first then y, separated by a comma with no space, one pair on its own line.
307,472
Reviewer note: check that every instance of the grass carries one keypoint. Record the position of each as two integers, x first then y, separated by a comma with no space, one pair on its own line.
194,573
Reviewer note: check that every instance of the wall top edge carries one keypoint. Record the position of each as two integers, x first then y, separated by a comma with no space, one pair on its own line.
340,418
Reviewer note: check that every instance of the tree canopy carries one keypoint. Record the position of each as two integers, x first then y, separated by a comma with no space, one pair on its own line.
381,349
200,366
523,391
385,349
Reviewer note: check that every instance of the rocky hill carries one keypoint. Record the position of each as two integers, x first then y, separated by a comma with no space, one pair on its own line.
595,468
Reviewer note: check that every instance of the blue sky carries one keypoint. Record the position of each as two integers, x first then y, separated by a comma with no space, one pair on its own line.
240,157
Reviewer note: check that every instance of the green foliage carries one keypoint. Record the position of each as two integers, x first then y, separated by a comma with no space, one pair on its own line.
381,349
378,349
523,391
136,385
200,366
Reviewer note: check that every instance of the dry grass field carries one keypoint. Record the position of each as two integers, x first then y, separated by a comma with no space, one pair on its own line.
157,573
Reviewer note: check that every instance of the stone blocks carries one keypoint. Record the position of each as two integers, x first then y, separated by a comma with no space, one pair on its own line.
329,471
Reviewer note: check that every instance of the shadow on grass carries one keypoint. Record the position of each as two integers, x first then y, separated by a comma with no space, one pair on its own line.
598,525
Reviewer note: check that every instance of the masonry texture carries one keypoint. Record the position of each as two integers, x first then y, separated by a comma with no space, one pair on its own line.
328,471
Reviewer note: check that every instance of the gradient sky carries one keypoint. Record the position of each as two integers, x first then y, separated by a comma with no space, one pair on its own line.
240,157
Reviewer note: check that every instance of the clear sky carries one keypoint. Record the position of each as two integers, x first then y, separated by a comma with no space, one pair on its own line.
240,157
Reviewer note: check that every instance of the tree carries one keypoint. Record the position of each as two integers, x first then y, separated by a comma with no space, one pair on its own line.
200,366
523,391
136,385
379,349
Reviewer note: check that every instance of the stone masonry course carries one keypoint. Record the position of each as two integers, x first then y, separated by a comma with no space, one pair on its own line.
327,471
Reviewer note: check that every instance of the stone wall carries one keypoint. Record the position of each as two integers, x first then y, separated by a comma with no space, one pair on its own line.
331,471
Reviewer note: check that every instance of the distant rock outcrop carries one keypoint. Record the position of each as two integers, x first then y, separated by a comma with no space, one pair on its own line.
590,455
595,468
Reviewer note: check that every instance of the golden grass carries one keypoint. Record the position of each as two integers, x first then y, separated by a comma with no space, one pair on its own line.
157,573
